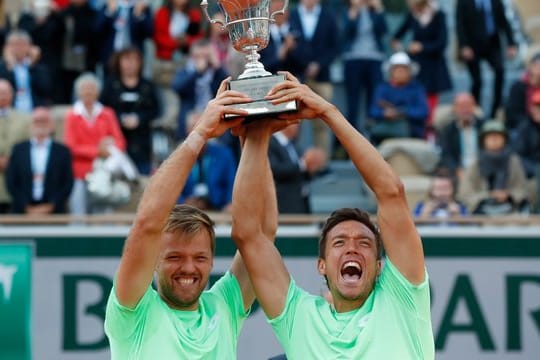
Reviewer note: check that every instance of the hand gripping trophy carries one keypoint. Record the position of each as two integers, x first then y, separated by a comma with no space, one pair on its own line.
248,24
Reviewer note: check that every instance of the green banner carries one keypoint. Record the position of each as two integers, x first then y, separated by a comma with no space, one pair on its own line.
15,301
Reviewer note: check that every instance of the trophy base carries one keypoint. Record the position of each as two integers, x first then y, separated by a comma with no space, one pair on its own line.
257,88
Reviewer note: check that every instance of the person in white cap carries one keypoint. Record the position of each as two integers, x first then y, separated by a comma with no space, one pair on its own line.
399,106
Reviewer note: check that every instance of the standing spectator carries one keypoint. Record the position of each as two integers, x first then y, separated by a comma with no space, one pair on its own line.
80,51
495,184
14,126
365,26
46,29
440,202
292,170
135,102
275,55
527,143
30,80
519,99
210,183
39,176
122,24
427,22
177,25
399,106
90,129
458,140
478,26
315,30
197,83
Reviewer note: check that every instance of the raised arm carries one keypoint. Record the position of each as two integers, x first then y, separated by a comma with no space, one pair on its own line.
252,231
142,246
400,238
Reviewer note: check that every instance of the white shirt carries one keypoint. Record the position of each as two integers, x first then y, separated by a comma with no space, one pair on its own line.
39,158
309,19
469,146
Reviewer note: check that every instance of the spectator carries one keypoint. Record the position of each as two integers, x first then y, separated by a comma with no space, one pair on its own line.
495,184
210,183
427,22
315,30
292,170
519,99
399,106
527,143
90,129
80,51
14,128
29,79
46,29
280,43
440,202
135,102
177,25
365,26
478,26
197,83
39,175
122,24
458,140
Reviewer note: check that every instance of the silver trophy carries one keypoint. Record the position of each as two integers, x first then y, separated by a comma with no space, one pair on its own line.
248,24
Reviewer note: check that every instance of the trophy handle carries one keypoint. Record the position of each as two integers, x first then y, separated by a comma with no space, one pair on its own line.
204,6
280,11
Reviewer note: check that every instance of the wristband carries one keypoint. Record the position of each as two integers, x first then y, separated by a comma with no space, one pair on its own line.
195,142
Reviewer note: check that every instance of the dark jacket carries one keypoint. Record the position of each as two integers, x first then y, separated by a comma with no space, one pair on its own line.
322,48
527,145
451,146
58,177
40,83
289,179
141,100
350,29
471,29
434,74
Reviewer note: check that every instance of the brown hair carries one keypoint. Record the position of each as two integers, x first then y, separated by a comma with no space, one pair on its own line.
190,220
114,63
345,214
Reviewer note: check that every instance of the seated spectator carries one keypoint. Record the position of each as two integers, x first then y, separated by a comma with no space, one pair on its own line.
458,140
399,106
30,80
135,102
292,170
46,29
440,202
197,83
210,183
495,184
39,176
90,129
14,128
519,99
527,143
121,24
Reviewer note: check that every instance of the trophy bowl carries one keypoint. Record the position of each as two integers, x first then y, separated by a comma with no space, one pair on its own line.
248,24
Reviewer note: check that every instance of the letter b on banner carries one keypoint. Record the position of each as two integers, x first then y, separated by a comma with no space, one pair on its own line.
15,301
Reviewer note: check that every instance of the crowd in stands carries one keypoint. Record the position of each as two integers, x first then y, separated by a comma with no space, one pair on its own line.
88,58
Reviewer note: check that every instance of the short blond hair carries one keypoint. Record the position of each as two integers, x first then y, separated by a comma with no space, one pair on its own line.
190,220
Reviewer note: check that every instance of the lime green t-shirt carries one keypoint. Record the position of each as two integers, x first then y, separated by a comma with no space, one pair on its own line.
393,323
152,330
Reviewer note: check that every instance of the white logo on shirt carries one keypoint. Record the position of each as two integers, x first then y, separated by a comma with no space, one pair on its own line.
213,322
